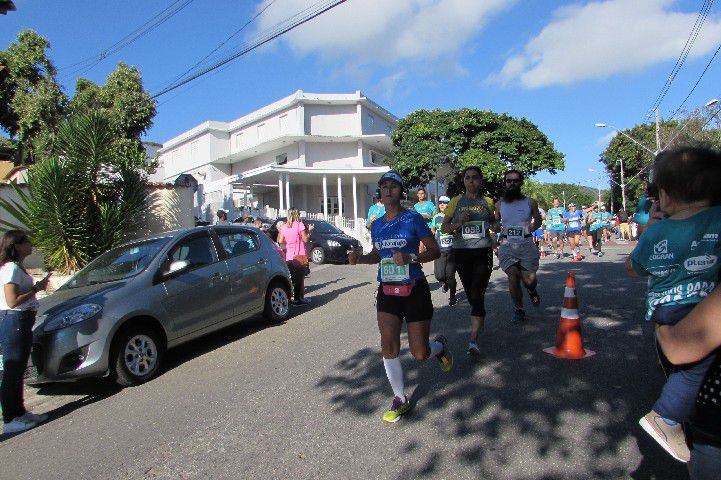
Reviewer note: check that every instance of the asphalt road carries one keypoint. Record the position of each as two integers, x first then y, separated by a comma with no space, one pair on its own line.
305,399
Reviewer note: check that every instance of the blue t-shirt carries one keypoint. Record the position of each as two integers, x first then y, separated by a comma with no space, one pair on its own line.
404,234
556,216
681,259
642,211
377,210
595,220
574,220
426,209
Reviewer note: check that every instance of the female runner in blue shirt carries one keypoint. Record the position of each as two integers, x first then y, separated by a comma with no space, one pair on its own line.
403,292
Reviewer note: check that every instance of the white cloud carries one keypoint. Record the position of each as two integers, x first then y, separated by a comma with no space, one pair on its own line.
598,39
386,32
606,139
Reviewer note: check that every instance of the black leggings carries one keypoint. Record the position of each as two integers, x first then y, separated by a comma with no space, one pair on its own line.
474,268
297,276
444,268
597,236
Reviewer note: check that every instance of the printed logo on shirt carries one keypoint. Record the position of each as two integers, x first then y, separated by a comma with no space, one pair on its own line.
699,264
391,243
660,251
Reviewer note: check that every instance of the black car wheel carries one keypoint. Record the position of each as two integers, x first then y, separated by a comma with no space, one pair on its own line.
277,302
137,354
318,255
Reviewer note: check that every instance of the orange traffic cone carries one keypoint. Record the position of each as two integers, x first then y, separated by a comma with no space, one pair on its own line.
569,341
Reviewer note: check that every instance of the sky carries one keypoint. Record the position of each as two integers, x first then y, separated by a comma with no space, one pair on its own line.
564,65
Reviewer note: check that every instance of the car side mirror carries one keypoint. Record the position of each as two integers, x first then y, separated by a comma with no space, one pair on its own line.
176,266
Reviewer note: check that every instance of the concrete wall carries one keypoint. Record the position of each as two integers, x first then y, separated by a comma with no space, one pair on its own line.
374,124
171,208
332,120
282,123
332,155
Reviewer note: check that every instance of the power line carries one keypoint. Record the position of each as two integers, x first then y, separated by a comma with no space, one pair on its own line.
695,30
281,29
697,81
154,22
221,44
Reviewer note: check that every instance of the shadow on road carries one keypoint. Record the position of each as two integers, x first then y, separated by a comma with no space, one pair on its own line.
520,406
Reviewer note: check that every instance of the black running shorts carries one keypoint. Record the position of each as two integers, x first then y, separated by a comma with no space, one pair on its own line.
413,308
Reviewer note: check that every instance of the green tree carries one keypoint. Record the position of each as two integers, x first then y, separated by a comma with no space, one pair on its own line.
430,141
544,193
107,203
32,105
695,127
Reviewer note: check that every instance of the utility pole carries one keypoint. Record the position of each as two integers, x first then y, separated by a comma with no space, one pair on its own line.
623,188
564,198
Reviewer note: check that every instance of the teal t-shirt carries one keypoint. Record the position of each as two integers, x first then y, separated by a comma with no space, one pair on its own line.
595,220
606,218
376,210
426,209
556,216
681,259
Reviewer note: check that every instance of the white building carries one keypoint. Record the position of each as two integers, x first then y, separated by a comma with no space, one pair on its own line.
320,153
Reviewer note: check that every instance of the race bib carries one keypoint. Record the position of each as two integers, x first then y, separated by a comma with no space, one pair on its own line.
446,241
514,232
390,272
556,220
574,224
473,230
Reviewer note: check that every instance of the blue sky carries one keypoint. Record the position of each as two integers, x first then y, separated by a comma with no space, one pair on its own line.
564,65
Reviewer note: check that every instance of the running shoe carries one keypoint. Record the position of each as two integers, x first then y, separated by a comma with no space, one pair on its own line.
37,418
398,408
558,256
518,316
670,437
301,303
600,254
18,424
445,358
473,349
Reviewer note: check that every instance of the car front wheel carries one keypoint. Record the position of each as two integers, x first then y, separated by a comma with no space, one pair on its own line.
138,353
318,255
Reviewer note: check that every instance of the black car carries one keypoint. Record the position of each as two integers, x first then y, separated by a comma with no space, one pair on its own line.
326,242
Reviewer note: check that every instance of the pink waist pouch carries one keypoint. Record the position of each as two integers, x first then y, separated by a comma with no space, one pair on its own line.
402,290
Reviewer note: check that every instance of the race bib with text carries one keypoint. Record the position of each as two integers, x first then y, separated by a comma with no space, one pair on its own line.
473,230
390,272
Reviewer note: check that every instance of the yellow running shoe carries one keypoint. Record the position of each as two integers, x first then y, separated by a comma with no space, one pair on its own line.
445,358
398,408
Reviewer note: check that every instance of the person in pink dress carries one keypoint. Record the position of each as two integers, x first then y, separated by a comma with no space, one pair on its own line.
293,236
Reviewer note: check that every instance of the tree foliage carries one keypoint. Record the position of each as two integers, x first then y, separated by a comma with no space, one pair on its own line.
696,127
544,193
430,141
108,200
32,105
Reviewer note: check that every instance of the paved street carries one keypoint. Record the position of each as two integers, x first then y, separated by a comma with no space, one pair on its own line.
305,399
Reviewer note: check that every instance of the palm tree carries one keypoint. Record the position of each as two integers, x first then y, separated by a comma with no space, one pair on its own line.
83,201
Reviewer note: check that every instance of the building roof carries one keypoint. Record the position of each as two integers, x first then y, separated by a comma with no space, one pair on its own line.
298,97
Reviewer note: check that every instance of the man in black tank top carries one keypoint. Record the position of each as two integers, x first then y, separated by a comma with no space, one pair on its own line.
517,253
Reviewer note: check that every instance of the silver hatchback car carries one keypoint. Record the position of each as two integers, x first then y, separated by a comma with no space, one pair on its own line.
121,312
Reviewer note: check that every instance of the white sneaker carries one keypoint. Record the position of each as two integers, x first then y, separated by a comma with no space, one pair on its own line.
34,417
18,424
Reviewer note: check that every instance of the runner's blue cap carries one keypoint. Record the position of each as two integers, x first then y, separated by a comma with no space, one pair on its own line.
391,175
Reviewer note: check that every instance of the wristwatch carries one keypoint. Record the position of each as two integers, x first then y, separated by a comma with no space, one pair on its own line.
414,257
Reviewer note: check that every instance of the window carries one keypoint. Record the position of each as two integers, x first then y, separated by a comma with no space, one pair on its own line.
237,243
197,250
333,207
238,139
377,158
261,131
283,119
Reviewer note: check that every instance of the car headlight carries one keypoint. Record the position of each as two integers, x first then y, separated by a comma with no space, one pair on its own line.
333,243
73,316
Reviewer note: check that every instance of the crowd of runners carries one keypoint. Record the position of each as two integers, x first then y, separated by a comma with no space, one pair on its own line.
679,255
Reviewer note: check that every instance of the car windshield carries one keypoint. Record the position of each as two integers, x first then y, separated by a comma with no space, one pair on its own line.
325,227
118,263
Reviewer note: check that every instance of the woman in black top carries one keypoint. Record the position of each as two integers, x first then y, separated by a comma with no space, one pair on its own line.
691,339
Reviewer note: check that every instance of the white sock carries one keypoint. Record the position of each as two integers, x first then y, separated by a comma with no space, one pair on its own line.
436,348
394,372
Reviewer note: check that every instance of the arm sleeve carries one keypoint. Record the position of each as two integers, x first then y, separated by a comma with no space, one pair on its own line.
451,208
11,274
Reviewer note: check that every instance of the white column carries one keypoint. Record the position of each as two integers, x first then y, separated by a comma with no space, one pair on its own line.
252,198
340,196
287,192
325,197
280,194
355,201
